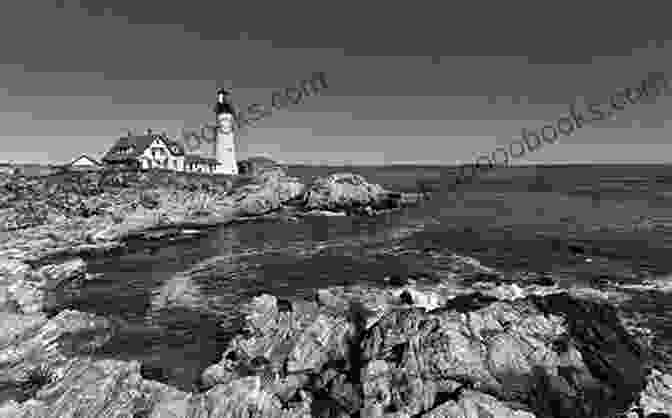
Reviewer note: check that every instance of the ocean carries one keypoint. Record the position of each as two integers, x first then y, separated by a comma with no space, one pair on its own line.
605,231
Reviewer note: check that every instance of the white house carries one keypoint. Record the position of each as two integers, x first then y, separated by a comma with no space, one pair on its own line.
162,153
146,151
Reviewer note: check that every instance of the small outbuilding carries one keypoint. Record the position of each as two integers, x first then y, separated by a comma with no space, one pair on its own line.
84,162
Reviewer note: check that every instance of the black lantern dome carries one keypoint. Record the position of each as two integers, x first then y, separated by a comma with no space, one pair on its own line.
224,104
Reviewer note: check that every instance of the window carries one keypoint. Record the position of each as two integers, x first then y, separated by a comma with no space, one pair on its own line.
175,164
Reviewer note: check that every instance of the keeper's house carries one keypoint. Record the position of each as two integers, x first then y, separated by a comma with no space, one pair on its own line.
156,151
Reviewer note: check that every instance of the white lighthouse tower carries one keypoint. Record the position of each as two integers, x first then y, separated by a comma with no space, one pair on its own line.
225,147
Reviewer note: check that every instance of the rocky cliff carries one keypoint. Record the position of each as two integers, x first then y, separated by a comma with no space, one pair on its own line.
123,201
355,352
370,352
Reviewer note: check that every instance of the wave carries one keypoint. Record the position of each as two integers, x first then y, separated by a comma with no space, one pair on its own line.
661,284
179,290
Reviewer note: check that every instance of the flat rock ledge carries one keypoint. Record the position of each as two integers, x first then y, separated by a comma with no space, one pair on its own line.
89,215
354,351
26,289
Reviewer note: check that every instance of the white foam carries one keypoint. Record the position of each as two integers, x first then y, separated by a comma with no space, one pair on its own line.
590,293
179,290
661,284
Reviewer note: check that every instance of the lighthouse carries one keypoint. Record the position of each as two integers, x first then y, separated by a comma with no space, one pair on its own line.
225,146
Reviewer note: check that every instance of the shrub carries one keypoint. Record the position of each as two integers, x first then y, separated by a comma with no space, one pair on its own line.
37,378
150,199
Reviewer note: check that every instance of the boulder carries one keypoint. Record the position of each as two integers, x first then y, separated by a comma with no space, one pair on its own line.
559,356
25,290
268,193
656,396
16,291
16,327
343,191
104,388
239,397
60,274
291,346
476,404
32,342
326,339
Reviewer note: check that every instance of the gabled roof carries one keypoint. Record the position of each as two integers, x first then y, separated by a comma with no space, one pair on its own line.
85,157
176,147
139,143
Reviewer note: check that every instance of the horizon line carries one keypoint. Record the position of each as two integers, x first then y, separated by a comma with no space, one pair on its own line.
404,164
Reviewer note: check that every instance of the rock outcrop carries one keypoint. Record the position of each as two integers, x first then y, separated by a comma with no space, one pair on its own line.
341,192
34,350
24,289
48,370
352,194
656,398
268,192
379,354
555,362
353,351
81,212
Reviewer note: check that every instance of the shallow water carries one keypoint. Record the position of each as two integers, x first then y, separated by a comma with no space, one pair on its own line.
603,230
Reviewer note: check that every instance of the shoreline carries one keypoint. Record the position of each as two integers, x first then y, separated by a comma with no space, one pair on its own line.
319,334
398,297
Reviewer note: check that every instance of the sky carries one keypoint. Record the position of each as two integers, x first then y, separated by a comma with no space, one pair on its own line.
407,82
